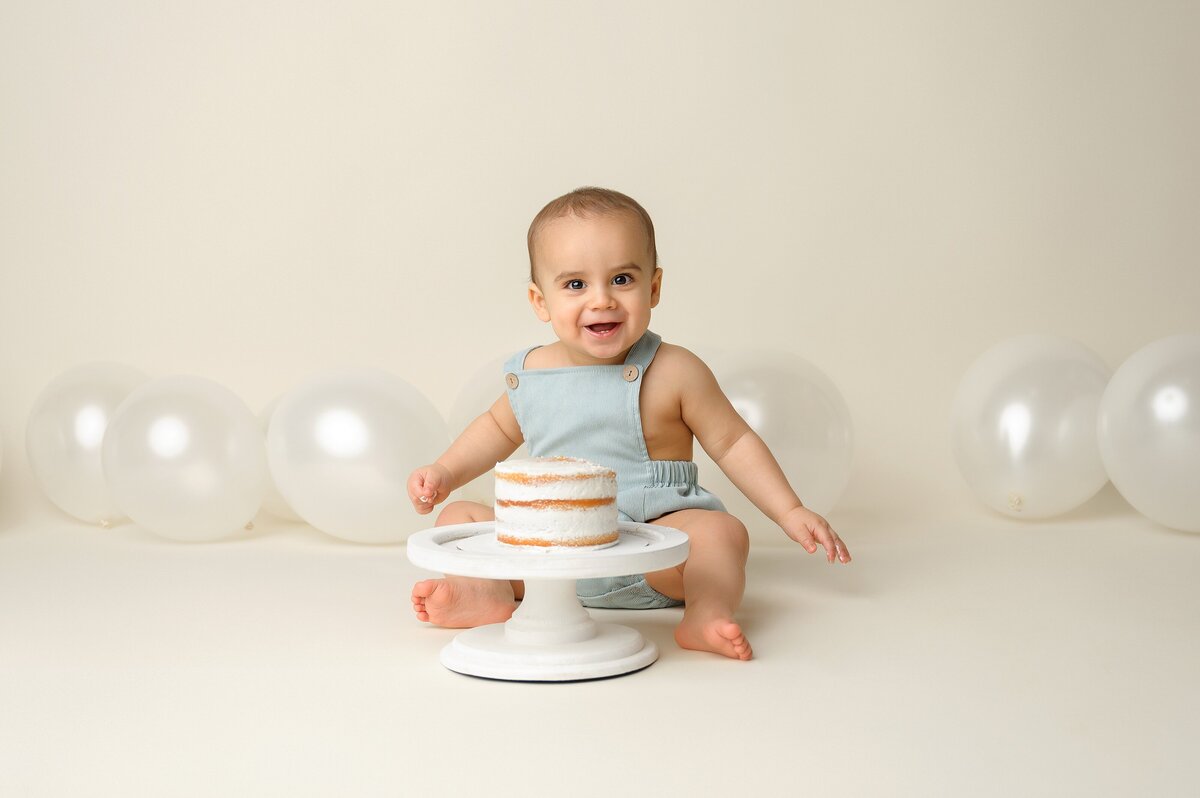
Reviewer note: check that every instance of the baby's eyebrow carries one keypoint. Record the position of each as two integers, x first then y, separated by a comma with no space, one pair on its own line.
624,267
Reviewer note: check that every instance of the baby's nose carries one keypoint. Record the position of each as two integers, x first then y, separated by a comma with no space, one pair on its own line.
602,298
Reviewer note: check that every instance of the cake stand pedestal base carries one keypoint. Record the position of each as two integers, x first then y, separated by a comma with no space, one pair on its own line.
550,638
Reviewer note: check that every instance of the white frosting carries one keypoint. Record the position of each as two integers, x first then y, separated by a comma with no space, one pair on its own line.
551,466
526,523
555,479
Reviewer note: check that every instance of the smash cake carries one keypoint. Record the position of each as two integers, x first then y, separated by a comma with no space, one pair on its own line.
556,502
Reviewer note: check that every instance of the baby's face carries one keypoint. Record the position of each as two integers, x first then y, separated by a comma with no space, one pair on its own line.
596,284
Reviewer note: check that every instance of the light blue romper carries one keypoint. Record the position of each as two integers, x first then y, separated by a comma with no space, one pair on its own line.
593,412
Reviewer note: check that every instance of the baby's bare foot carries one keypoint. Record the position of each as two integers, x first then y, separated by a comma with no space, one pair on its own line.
719,635
462,603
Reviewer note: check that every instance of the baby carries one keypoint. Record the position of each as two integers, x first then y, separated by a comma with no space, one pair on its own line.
609,391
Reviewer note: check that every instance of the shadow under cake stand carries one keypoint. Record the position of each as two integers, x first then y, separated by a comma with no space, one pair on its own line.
551,637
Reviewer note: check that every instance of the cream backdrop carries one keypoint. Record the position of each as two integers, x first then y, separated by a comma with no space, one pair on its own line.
256,192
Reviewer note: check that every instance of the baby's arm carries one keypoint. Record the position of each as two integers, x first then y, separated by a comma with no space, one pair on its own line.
741,454
486,441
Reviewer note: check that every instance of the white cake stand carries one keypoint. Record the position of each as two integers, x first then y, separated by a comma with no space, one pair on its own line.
551,637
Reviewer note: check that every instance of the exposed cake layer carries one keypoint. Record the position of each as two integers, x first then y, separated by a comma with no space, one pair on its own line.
555,501
584,526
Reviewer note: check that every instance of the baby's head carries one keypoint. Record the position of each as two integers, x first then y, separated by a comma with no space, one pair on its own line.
586,203
593,272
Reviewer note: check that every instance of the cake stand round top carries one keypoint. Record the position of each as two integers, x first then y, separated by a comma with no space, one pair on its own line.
472,550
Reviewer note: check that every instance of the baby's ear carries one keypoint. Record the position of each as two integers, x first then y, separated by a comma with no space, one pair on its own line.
537,300
656,287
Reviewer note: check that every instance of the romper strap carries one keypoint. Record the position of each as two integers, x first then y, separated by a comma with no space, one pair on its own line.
643,351
517,361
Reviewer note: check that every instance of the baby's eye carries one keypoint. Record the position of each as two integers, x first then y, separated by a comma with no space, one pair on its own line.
623,279
575,285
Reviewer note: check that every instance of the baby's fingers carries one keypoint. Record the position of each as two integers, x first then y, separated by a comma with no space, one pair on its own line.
834,547
843,553
808,542
828,539
422,494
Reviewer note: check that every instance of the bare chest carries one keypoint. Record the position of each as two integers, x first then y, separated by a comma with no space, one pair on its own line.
667,437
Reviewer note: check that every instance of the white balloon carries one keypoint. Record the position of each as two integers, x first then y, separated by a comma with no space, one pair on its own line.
1149,429
800,415
1023,425
184,458
480,392
273,501
341,447
65,431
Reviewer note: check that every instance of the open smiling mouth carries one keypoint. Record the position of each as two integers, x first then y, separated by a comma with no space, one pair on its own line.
603,330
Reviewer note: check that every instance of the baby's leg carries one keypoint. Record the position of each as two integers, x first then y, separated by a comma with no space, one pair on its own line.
460,601
710,583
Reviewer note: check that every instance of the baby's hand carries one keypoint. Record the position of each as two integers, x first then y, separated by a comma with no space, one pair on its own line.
806,528
428,486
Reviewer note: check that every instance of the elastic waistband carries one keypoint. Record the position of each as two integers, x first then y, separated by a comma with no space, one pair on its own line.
672,473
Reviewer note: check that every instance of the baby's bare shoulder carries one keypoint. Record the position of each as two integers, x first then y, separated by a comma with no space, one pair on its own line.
680,364
544,357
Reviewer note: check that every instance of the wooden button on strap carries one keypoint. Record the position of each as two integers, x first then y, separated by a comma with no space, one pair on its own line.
631,373
512,380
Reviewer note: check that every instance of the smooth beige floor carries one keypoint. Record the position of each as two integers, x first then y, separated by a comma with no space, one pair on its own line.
954,657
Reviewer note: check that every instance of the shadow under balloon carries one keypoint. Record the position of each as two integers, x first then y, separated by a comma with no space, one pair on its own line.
12,519
1110,505
1106,505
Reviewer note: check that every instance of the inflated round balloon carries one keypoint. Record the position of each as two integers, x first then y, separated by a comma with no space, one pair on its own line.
480,392
341,447
184,458
1149,429
273,501
1023,425
800,415
64,433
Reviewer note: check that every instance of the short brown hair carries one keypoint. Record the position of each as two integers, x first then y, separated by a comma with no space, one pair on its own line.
590,201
